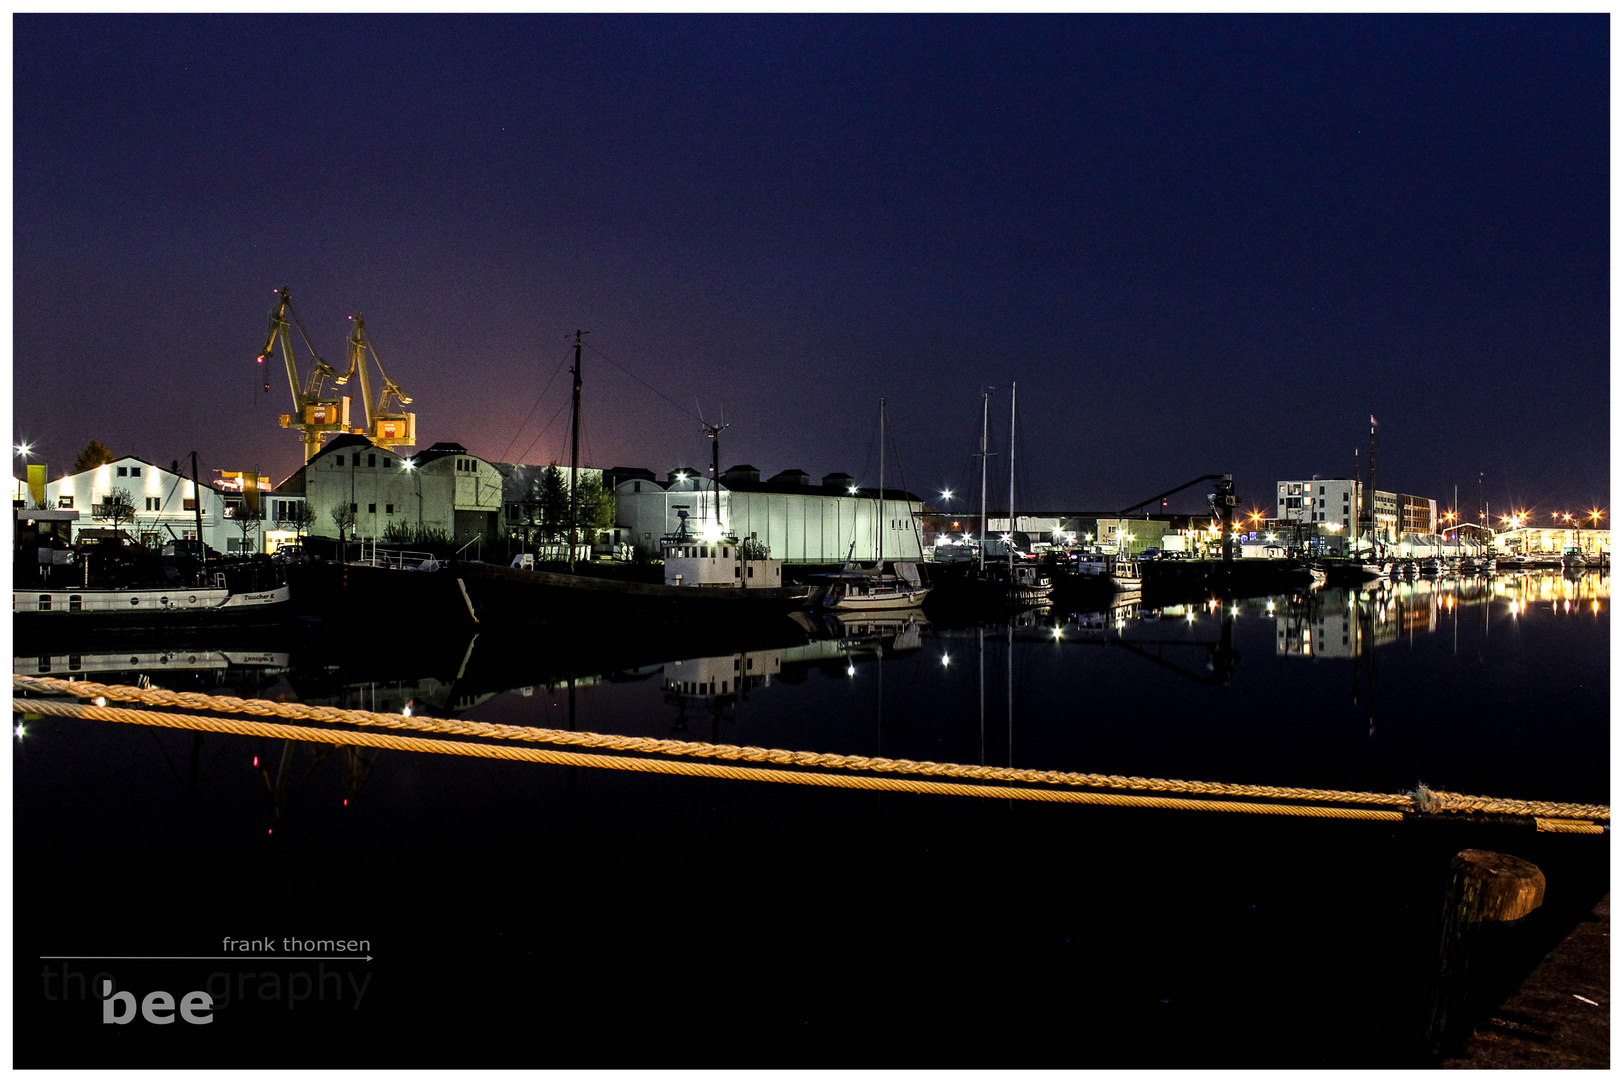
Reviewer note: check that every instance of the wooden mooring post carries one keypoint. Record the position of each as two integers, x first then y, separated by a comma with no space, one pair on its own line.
1487,898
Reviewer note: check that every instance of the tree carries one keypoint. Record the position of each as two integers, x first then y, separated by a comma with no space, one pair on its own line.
91,456
342,517
297,514
597,508
247,519
117,509
554,503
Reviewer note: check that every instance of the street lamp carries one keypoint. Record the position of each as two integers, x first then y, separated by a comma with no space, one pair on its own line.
410,466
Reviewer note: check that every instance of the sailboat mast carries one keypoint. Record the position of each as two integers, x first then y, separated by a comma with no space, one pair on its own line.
882,415
1012,449
573,464
984,480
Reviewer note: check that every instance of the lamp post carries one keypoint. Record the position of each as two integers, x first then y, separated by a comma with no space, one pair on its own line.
410,466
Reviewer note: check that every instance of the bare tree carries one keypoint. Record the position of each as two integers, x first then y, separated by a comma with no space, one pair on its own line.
117,509
343,517
248,519
299,515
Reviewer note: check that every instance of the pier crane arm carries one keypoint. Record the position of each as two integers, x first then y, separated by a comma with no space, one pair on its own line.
359,346
1172,491
279,319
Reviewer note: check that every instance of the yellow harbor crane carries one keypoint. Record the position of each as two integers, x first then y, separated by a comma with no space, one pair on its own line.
385,428
313,415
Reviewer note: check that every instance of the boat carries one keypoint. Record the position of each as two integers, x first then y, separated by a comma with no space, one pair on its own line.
1430,567
1077,574
233,596
1573,559
855,589
989,583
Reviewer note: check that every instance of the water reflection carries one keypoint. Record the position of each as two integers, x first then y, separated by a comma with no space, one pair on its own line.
903,686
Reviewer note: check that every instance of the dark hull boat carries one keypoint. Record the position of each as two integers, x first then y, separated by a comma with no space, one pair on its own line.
502,595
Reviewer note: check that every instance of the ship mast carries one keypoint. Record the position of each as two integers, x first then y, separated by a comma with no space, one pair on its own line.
984,481
573,463
1012,432
880,522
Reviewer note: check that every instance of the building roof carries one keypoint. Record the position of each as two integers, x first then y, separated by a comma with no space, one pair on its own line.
440,450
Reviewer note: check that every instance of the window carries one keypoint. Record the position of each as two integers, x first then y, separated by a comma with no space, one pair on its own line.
354,508
371,508
153,504
638,487
338,460
134,470
390,508
371,461
388,463
122,471
190,504
65,502
1321,490
44,601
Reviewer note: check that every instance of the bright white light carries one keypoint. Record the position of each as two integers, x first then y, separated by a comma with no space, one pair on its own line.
406,711
945,661
24,449
945,494
851,671
1057,633
710,533
854,491
101,701
19,731
407,463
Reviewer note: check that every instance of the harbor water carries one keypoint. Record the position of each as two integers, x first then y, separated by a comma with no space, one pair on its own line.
522,914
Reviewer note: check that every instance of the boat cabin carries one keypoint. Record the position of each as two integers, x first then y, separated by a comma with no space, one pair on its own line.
717,564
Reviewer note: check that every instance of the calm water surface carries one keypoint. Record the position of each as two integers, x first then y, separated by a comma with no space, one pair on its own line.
558,916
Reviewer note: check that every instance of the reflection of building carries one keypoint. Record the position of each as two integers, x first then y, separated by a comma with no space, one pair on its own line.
721,676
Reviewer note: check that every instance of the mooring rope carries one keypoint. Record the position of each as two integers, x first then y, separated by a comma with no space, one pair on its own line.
1425,801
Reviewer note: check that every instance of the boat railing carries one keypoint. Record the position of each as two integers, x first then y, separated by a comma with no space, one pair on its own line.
397,560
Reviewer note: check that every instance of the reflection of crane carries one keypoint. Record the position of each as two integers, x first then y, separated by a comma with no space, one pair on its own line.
384,428
313,415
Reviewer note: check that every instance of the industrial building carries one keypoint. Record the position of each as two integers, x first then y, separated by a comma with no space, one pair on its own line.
365,488
802,522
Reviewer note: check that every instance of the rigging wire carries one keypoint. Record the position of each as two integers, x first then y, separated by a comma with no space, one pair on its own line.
543,431
536,405
644,382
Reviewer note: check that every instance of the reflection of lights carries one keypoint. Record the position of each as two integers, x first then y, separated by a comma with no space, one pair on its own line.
945,661
1057,633
851,671
1595,607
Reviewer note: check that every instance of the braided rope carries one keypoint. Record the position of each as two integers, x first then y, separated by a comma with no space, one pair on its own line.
1561,825
333,736
1424,800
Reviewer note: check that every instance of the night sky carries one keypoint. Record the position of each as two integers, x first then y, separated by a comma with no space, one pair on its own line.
1199,244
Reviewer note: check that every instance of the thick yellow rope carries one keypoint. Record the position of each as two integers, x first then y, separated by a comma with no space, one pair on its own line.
1425,800
655,765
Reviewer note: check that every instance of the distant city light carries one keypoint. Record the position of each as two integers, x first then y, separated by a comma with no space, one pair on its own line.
945,661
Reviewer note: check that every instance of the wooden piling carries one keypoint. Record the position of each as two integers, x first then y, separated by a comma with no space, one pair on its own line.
1487,898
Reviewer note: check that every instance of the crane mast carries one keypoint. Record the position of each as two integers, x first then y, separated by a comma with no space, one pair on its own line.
313,415
397,428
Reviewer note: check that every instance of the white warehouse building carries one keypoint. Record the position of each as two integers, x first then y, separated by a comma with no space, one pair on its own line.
165,503
801,522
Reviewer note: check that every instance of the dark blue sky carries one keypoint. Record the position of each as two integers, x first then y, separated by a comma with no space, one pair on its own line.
1200,244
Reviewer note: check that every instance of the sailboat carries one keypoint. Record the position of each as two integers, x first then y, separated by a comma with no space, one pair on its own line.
1019,581
855,589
